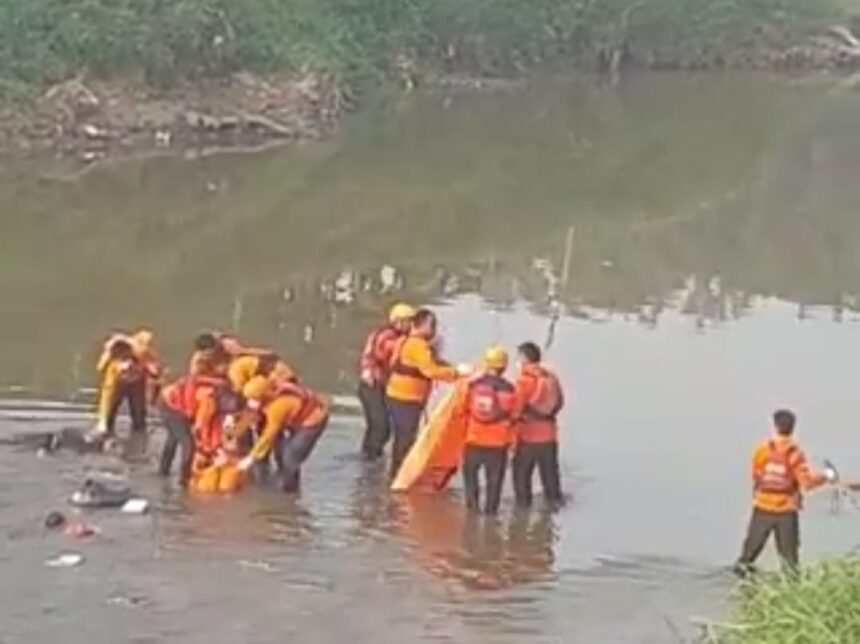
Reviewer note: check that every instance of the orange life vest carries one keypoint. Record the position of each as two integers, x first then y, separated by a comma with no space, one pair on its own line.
547,398
776,476
490,403
485,399
309,401
181,396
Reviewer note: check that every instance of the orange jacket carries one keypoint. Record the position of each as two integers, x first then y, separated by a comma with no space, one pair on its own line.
196,399
798,471
414,367
377,355
531,384
245,367
293,407
492,404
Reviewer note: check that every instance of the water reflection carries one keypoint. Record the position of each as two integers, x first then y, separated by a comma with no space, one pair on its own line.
669,193
476,552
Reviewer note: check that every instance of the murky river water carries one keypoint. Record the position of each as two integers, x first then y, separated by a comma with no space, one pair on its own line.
711,274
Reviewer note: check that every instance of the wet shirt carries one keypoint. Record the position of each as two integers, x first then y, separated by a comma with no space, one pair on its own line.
414,367
805,478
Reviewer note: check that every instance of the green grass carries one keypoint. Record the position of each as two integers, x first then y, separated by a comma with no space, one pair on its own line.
822,606
45,41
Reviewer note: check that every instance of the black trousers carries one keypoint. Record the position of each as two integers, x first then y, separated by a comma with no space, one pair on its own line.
785,527
544,458
135,393
294,449
179,436
405,420
493,461
378,430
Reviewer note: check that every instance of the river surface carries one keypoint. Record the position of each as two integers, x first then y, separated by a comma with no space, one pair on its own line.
686,248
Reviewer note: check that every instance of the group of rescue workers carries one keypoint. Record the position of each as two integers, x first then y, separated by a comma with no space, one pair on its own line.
237,407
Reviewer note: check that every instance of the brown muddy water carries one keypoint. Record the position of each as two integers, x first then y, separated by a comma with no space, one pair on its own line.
711,275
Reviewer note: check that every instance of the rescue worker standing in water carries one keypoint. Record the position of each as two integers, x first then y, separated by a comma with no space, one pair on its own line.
187,407
414,367
492,405
537,429
289,410
128,368
780,475
375,366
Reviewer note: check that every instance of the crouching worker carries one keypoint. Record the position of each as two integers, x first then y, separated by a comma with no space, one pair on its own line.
187,405
780,475
122,380
537,429
492,405
215,467
294,418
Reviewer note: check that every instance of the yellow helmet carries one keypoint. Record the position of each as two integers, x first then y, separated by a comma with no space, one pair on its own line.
401,312
256,388
496,358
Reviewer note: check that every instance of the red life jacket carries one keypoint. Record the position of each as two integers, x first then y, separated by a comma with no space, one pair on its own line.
485,399
377,353
547,399
310,402
776,476
181,396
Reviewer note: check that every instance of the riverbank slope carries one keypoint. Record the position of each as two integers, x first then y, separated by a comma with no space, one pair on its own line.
93,76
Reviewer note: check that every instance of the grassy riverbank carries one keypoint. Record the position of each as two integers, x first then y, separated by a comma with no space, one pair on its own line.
47,41
821,607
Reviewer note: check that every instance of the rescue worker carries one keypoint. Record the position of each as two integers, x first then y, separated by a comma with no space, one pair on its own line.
414,367
536,430
290,411
187,406
780,475
142,345
375,366
492,405
123,379
245,367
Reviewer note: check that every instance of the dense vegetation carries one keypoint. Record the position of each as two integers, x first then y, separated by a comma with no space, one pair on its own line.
44,41
820,607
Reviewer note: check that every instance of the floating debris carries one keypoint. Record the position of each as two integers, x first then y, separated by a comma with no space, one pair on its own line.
65,560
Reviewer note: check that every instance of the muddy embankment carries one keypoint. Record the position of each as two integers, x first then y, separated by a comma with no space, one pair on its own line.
91,119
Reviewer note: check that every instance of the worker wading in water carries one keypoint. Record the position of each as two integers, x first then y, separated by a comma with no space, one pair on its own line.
129,372
492,406
536,430
188,407
780,475
374,372
291,412
414,367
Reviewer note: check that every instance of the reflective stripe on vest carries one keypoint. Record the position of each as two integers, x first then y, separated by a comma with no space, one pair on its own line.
370,357
485,405
776,476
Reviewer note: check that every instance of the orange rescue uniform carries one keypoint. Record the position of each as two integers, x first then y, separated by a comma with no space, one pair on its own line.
291,407
244,368
492,404
542,398
771,455
414,367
